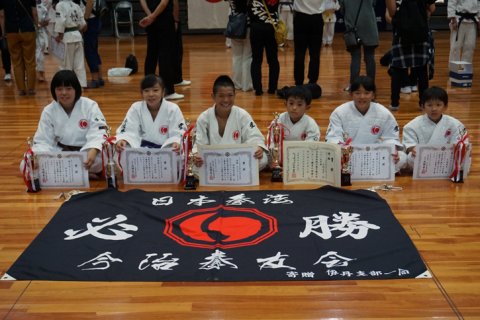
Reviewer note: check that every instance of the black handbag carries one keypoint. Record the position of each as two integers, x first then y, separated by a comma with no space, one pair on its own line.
236,26
350,35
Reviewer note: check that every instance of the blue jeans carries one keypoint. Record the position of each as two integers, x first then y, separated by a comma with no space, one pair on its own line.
90,44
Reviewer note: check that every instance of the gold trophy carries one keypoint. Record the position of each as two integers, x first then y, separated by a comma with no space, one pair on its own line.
347,151
32,180
188,142
275,144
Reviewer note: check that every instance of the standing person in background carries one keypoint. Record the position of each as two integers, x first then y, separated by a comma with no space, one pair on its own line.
43,7
179,81
307,34
285,9
404,56
90,38
329,19
263,16
7,64
241,52
18,20
464,16
160,26
367,32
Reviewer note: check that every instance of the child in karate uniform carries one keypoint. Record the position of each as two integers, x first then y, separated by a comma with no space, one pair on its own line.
225,123
365,121
433,127
153,122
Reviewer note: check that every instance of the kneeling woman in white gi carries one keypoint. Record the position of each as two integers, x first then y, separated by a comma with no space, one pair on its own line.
71,122
153,122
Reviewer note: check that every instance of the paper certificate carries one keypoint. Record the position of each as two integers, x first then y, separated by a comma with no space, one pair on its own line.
149,166
228,165
62,169
433,161
311,163
57,48
372,162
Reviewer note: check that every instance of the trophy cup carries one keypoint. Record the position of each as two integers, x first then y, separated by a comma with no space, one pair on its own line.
110,170
275,142
187,143
30,169
347,151
460,154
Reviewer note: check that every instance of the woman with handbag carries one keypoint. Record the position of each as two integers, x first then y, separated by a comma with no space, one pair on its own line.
360,25
263,16
241,48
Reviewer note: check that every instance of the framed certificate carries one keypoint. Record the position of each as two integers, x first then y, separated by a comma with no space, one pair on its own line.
372,162
150,166
311,163
228,165
433,161
63,169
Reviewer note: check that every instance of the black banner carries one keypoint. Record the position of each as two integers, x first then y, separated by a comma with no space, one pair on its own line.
322,234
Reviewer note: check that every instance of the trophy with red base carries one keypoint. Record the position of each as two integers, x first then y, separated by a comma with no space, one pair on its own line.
110,167
30,169
275,146
460,154
188,140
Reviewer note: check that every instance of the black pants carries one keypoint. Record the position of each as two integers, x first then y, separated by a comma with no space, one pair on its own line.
262,36
398,80
307,33
7,64
161,52
178,55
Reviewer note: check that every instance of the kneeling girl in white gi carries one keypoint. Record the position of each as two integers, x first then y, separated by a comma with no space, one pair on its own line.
365,121
153,122
225,123
71,122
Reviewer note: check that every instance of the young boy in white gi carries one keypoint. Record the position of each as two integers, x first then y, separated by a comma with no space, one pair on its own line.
298,126
153,122
225,123
433,127
71,122
69,22
365,121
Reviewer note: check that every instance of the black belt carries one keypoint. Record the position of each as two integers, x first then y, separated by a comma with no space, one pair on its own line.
68,148
463,16
71,29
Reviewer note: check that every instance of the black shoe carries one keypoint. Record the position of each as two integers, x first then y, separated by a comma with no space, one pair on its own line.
272,91
101,83
258,92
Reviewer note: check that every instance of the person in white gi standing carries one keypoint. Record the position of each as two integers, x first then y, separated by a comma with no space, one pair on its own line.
464,16
69,22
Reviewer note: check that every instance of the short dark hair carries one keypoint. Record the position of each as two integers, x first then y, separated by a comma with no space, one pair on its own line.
363,81
434,93
66,78
300,92
150,80
223,81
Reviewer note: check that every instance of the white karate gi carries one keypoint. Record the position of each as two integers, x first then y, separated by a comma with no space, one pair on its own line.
463,40
85,127
240,129
69,20
378,125
422,130
306,129
167,128
42,34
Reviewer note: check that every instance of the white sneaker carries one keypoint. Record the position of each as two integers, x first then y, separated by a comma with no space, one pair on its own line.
174,96
414,88
406,90
184,83
7,77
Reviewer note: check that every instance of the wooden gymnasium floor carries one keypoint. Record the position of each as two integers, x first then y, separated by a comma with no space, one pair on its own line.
442,218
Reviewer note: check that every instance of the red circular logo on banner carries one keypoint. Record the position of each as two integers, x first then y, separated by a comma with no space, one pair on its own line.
83,124
164,130
375,130
236,134
220,227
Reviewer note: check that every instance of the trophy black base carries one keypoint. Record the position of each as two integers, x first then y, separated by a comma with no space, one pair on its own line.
190,183
460,177
345,179
112,183
276,175
36,184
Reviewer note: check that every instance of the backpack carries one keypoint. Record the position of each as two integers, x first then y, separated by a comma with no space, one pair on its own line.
410,22
132,63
